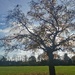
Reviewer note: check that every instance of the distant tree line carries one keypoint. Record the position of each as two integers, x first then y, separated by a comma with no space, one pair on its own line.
42,61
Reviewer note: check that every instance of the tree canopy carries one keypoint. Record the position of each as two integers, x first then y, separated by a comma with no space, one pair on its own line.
55,29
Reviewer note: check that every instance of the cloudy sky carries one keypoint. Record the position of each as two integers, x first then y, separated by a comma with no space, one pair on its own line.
5,6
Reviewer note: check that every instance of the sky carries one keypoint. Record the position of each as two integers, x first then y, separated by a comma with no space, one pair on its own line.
6,5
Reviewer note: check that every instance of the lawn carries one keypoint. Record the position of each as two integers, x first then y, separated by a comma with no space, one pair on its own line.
35,70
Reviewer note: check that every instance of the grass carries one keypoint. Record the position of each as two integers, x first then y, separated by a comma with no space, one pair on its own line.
35,70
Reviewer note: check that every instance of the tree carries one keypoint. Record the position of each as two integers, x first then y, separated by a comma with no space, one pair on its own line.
73,60
25,58
55,29
32,60
66,59
4,59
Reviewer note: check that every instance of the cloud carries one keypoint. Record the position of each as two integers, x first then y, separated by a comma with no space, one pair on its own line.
2,23
4,32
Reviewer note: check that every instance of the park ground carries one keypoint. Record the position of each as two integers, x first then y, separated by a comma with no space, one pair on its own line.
35,70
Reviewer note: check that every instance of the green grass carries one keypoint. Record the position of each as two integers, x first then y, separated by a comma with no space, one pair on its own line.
65,70
35,70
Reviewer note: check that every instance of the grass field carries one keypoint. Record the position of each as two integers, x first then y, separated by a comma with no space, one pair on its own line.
36,70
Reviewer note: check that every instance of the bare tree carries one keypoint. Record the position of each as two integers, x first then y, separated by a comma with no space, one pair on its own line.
55,29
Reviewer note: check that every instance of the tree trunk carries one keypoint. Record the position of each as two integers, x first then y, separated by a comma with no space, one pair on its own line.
51,65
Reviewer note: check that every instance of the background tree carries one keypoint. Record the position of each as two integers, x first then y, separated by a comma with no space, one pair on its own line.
73,60
32,60
26,58
55,29
67,60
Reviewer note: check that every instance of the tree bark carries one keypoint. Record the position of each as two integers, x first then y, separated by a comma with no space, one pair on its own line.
51,65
